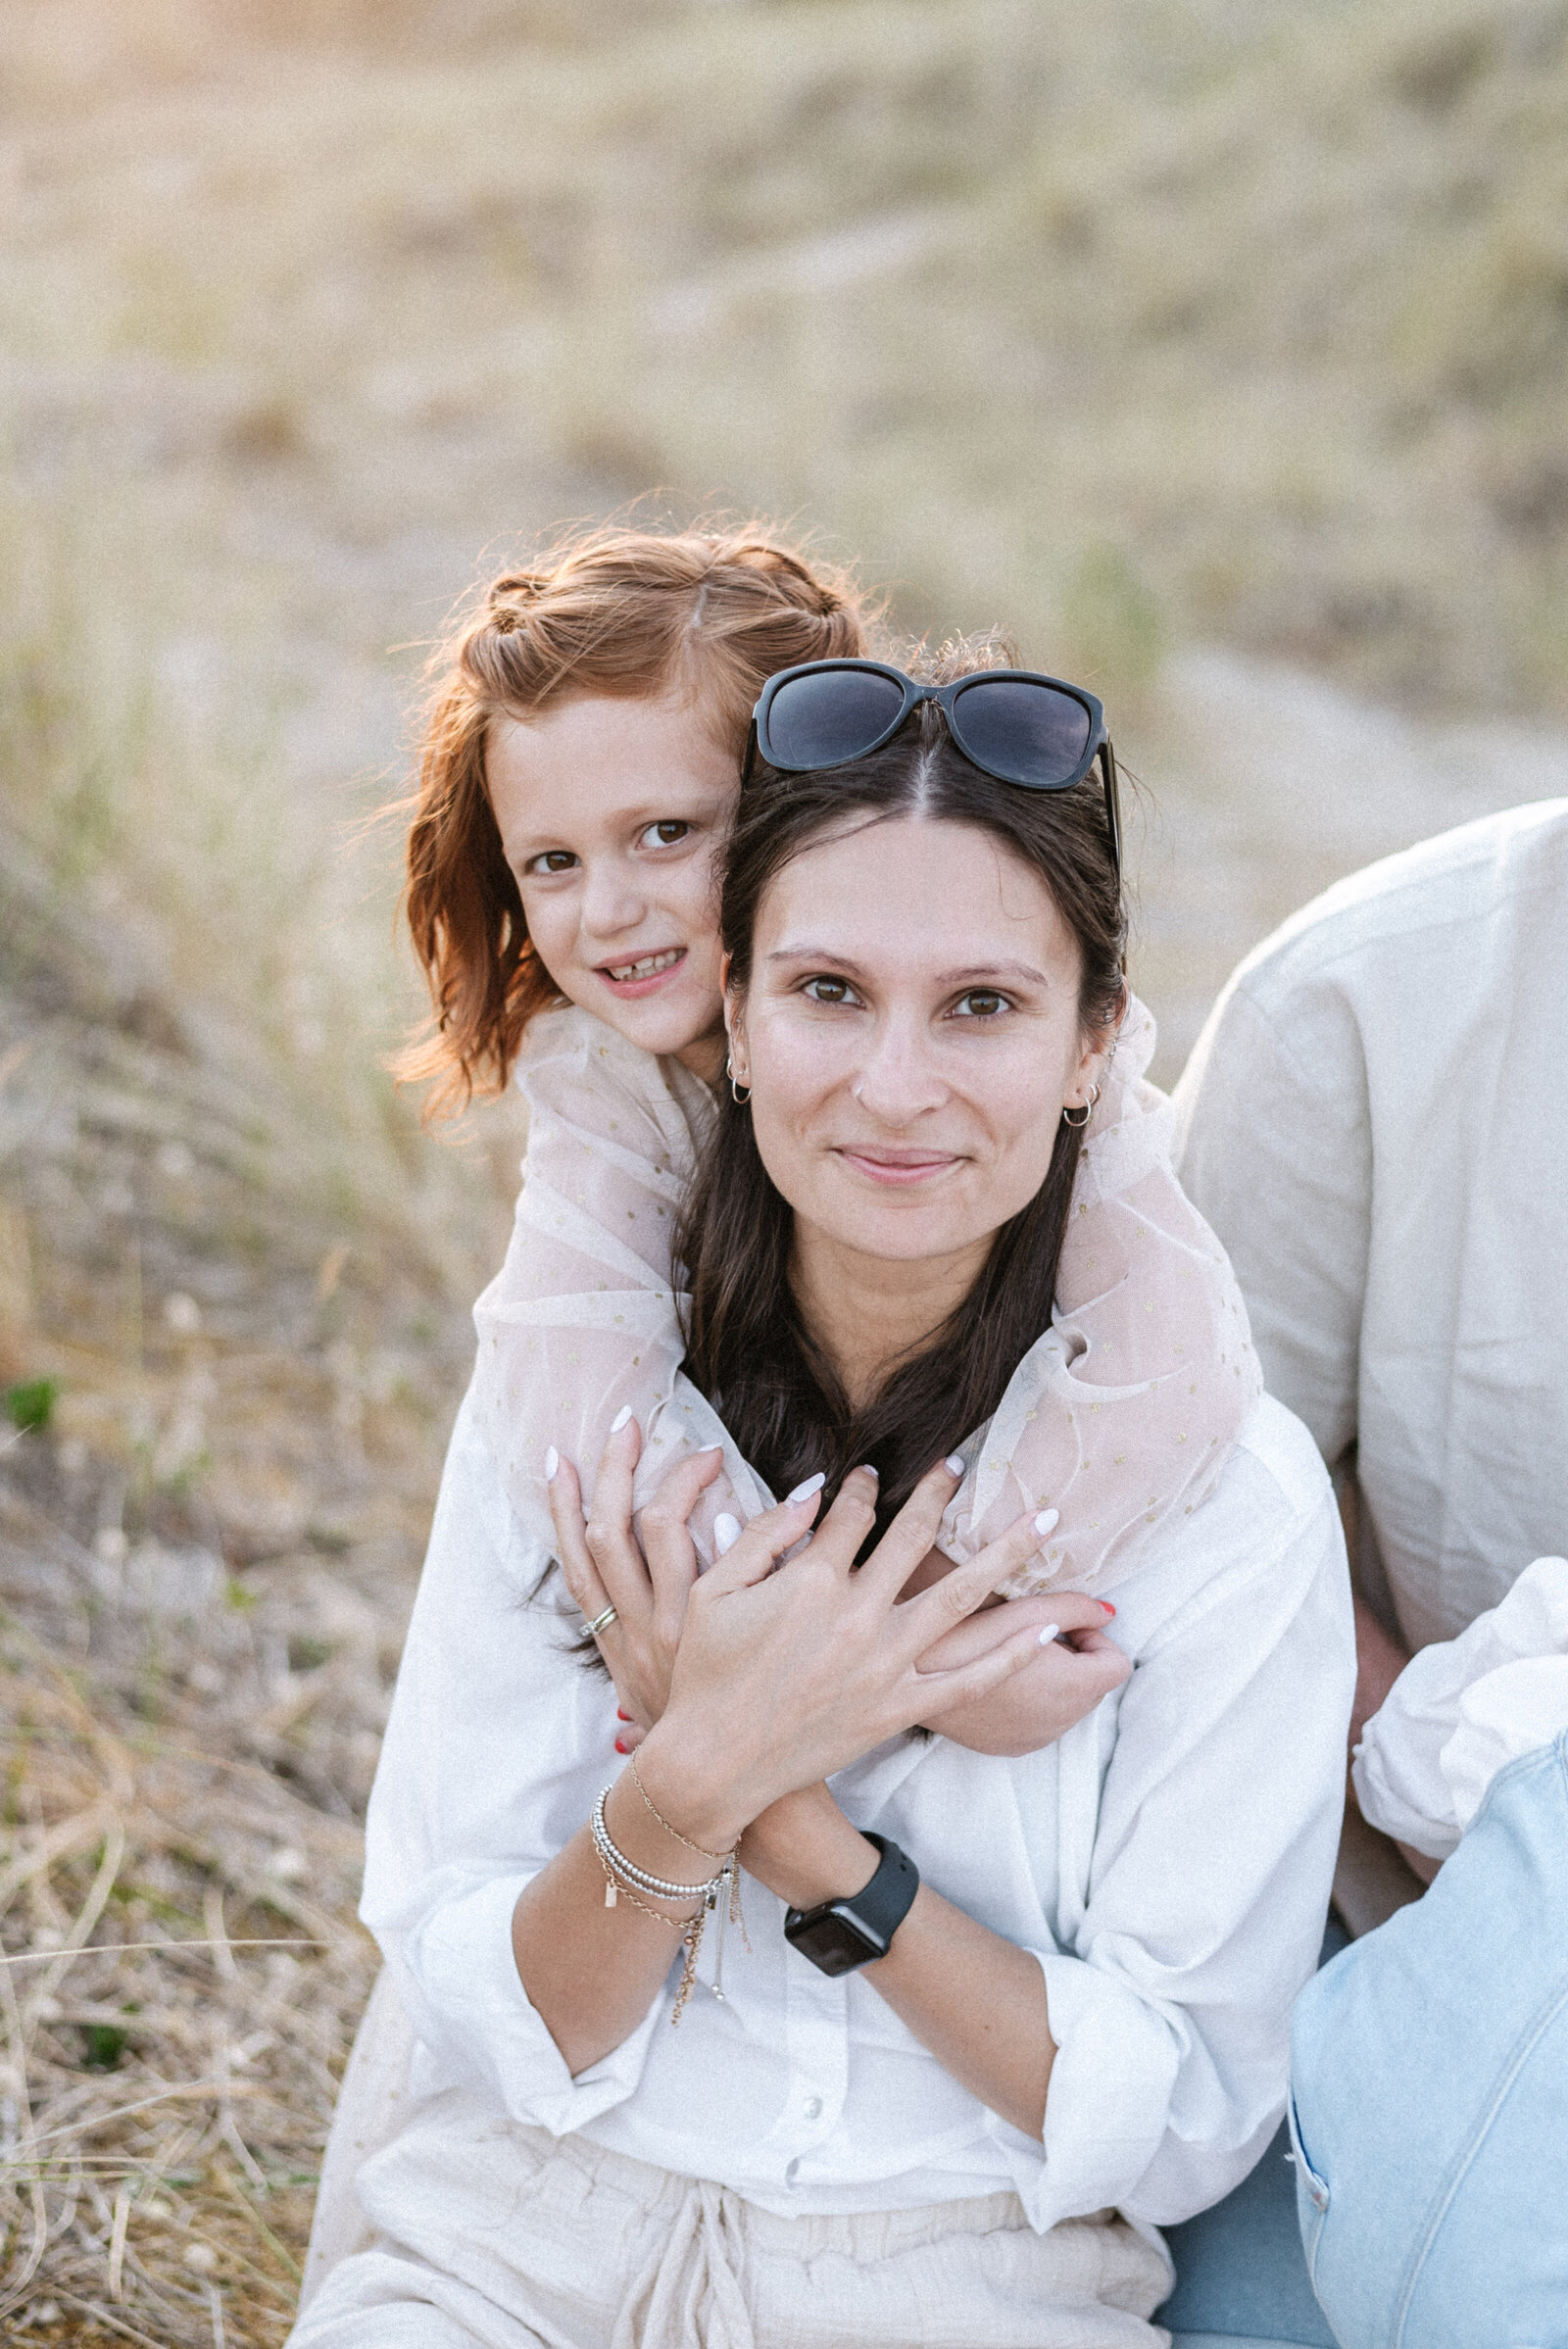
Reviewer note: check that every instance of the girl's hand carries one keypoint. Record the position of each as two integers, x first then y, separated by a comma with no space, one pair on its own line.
648,1583
782,1679
1061,1683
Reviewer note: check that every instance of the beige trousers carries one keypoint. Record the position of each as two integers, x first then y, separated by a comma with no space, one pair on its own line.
492,2234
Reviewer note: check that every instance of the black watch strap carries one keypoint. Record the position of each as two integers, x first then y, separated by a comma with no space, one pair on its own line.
840,1935
888,1898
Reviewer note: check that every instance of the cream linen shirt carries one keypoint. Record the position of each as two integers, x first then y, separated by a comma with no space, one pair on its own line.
1375,1121
1168,1862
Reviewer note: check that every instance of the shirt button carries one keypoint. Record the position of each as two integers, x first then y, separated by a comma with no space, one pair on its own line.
813,2108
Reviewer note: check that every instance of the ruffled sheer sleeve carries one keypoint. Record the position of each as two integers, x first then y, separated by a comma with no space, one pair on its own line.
1122,1415
583,1317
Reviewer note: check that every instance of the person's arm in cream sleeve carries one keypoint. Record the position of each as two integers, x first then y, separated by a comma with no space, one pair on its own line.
581,1323
1274,1145
1274,1148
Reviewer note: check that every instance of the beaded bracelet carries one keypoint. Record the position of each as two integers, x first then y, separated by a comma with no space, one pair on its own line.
622,1874
661,1886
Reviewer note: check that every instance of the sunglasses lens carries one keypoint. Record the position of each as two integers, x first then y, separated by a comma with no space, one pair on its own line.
821,720
1025,733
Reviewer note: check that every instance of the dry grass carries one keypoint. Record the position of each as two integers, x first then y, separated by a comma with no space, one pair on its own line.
186,1750
167,2087
227,1243
206,1562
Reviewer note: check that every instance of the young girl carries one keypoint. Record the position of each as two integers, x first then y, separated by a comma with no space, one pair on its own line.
580,775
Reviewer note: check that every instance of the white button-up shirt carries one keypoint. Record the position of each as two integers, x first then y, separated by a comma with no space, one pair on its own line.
1375,1122
1168,1862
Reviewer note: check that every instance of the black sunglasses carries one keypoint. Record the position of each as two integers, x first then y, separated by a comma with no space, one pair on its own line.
1013,724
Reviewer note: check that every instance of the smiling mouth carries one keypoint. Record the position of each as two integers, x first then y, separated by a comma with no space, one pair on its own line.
647,968
898,1167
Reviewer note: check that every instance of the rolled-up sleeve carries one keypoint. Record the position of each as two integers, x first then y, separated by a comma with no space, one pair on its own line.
461,1977
1108,2040
1192,1920
490,1764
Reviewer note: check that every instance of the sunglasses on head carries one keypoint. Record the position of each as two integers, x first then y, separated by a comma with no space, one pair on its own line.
1011,723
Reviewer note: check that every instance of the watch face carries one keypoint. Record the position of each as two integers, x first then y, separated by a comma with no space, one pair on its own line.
834,1943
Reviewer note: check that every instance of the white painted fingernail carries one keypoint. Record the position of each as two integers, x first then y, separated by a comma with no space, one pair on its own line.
1046,1520
620,1419
956,1464
866,1469
1050,1631
812,1484
552,1463
726,1533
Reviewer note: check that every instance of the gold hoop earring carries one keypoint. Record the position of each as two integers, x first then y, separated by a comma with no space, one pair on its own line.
740,1093
1088,1107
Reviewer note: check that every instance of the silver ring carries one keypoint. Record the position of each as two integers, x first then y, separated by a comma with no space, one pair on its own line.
600,1623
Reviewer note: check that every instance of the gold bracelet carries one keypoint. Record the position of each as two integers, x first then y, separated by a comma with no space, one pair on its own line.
619,1869
688,1929
728,1861
701,1849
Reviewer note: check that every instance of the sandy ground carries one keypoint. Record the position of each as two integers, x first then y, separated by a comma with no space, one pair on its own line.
1265,786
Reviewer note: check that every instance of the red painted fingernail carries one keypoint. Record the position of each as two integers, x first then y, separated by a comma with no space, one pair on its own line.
1109,1609
622,1746
620,1716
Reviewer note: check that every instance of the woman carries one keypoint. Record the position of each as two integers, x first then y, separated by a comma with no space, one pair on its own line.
1082,2009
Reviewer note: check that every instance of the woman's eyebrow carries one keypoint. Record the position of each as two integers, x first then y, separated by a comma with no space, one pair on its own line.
827,956
993,970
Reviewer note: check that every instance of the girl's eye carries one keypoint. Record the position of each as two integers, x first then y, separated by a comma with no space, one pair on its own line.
981,1003
663,835
826,990
553,860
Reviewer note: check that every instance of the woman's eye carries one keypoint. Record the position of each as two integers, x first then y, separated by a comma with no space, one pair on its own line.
981,1003
822,990
553,860
663,835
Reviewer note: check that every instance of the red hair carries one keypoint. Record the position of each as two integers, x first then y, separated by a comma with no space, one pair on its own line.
633,613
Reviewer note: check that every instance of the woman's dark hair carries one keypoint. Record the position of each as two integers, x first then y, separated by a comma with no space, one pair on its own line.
747,1346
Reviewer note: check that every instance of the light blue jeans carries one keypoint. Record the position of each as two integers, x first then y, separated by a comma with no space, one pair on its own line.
1430,2115
1431,2096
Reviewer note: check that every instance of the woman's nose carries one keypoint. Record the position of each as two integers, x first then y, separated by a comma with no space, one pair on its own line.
899,1081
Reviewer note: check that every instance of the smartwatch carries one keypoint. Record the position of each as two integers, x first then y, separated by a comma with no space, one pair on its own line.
838,1936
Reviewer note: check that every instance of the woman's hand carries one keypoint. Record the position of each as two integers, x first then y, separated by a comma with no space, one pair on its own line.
647,1583
780,1680
1054,1690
